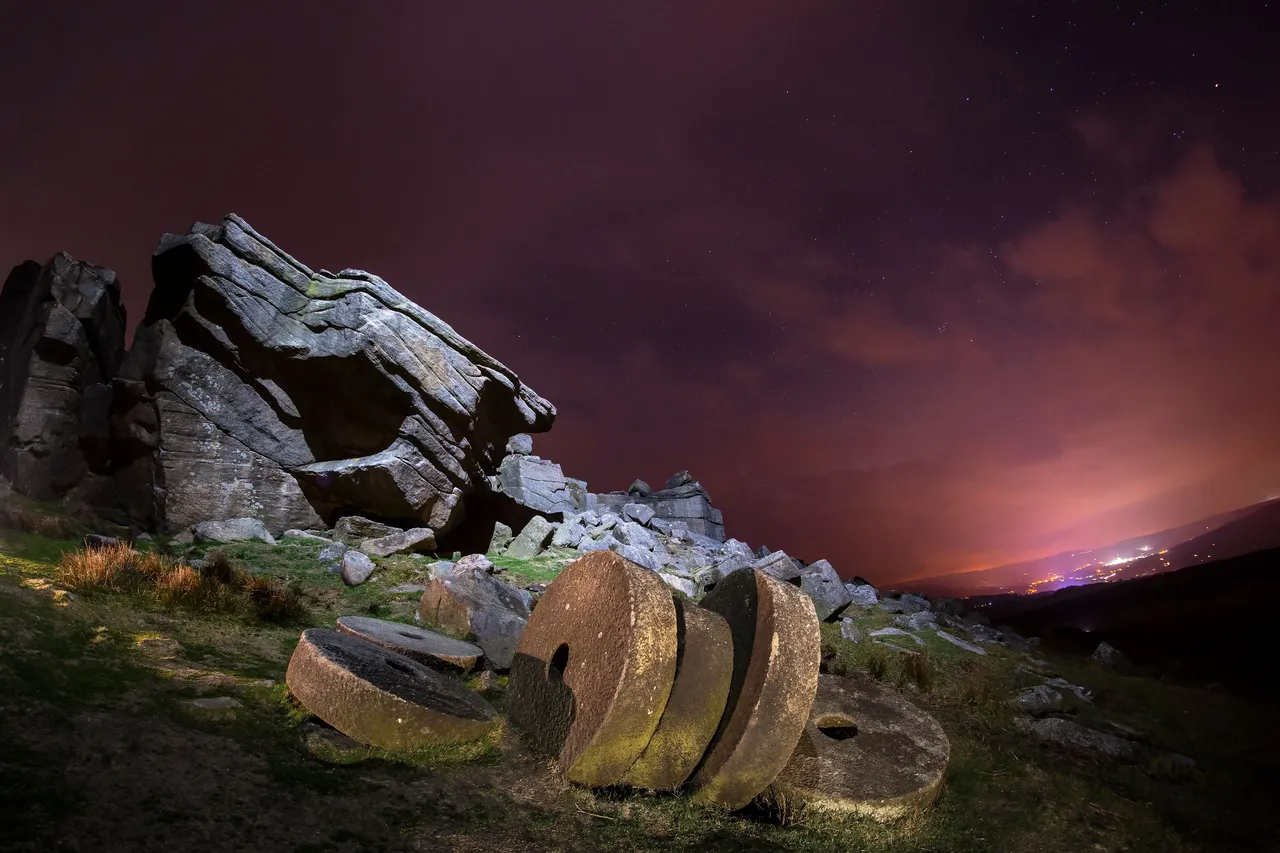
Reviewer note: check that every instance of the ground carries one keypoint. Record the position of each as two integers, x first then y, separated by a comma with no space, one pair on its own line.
102,748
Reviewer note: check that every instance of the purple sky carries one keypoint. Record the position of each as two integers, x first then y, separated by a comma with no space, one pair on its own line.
914,287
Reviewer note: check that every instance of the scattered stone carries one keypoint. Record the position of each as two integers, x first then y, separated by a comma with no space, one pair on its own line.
1107,655
687,504
96,541
435,650
734,563
354,529
917,621
379,697
865,751
956,641
356,568
896,632
696,705
407,589
683,585
777,652
737,546
476,604
778,565
477,563
331,556
232,530
500,539
604,543
632,533
216,703
588,687
538,484
1039,700
520,444
849,630
1084,694
638,512
862,594
1076,737
569,534
678,479
984,633
821,583
640,488
294,533
532,539
418,539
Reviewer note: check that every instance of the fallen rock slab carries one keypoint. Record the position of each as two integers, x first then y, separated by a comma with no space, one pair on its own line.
1039,700
379,697
865,751
428,647
776,655
233,530
1079,738
417,539
956,641
595,667
897,632
704,670
532,539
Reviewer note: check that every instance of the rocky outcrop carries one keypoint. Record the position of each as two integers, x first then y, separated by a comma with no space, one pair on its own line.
259,387
62,330
538,484
683,500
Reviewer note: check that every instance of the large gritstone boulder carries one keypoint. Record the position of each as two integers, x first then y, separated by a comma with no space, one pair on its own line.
259,387
704,668
776,655
686,502
61,340
538,484
595,667
866,750
379,697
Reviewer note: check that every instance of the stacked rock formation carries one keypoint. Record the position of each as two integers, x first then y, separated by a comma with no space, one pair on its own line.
683,500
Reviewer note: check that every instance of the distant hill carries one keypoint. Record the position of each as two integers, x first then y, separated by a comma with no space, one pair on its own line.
1209,623
1259,527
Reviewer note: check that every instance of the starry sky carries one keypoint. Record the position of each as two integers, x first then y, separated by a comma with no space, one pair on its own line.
915,287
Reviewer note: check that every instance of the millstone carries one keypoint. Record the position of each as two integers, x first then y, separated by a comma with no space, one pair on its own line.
379,697
594,667
704,668
865,750
435,650
776,654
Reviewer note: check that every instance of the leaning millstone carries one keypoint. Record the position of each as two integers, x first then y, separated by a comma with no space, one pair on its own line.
379,697
532,539
683,585
639,556
866,751
354,529
776,654
704,669
331,556
435,650
821,583
641,513
474,603
356,568
500,539
233,530
954,640
778,565
595,667
418,539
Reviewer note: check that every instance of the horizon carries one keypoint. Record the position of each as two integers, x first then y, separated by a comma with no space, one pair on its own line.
906,290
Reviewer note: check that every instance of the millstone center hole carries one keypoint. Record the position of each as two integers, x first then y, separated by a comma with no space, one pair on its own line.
837,728
401,666
559,660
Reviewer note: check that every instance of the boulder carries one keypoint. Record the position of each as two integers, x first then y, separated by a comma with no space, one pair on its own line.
354,529
226,401
778,565
820,582
737,546
640,488
687,503
639,556
435,650
956,641
418,539
331,556
1038,701
356,568
520,444
917,621
1084,694
62,333
294,533
569,534
631,533
849,630
532,540
477,563
734,563
683,585
233,530
762,551
475,604
1078,738
678,479
96,541
1108,655
536,483
500,539
638,512
862,594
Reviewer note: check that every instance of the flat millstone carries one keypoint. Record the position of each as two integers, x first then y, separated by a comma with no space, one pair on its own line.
435,650
704,669
595,666
776,654
379,697
866,750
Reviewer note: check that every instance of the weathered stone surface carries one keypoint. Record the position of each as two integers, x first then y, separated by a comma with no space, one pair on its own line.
354,529
418,539
688,504
521,444
501,538
862,594
914,603
1039,700
734,563
379,697
294,533
1081,739
1084,694
778,565
474,603
897,632
776,655
638,512
477,563
233,530
62,329
228,396
866,751
536,483
684,585
532,540
331,556
678,479
631,533
356,567
956,641
639,556
849,630
704,670
821,583
435,650
568,534
917,621
595,667
639,487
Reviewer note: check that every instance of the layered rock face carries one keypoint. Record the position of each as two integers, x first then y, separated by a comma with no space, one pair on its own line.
62,330
683,500
537,483
258,387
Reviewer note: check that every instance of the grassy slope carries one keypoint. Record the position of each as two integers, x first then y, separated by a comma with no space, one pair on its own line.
90,674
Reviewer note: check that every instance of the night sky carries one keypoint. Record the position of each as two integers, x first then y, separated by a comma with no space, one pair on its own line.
915,287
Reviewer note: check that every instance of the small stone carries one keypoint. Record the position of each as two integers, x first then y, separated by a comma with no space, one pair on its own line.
863,594
678,479
95,541
331,556
304,534
356,568
682,584
354,529
917,621
849,630
897,632
1107,655
639,556
218,703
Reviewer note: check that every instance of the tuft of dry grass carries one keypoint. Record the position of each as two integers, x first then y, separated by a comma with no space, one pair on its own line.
218,586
